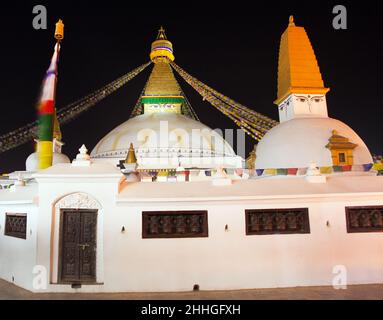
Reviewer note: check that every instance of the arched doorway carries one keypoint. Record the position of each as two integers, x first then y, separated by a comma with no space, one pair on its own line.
77,239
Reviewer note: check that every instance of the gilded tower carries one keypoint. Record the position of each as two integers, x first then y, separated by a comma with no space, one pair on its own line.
301,91
162,92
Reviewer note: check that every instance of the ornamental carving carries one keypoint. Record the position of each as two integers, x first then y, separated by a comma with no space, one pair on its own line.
364,219
174,224
78,200
277,221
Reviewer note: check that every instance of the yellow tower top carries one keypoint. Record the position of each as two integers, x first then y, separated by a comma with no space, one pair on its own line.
298,70
162,48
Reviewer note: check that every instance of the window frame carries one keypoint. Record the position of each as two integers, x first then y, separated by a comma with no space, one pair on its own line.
306,222
14,234
147,235
351,229
342,157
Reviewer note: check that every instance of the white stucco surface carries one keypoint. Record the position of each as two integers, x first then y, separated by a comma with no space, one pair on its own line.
297,142
31,164
18,256
251,189
158,136
226,259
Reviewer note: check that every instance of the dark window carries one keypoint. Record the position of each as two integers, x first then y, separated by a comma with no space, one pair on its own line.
174,224
277,221
342,157
364,219
16,225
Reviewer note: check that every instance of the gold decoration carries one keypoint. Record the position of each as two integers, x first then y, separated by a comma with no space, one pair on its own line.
162,82
162,48
341,149
56,128
161,34
131,157
250,161
59,32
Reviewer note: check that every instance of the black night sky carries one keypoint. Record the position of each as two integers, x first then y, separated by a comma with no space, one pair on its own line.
232,47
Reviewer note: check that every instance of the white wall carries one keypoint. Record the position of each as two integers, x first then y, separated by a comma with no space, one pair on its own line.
48,240
224,260
232,260
18,256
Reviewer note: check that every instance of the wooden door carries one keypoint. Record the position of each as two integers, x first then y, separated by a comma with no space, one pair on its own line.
78,246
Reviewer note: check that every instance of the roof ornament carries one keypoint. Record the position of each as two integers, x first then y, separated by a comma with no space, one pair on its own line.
291,21
82,158
314,175
18,184
129,166
131,156
161,34
59,31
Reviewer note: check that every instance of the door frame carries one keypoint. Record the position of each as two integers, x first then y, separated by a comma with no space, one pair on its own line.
73,200
61,242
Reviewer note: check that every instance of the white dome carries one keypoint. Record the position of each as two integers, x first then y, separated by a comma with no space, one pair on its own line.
32,161
297,142
185,137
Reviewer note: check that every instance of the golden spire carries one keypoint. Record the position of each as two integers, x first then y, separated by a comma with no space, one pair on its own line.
131,157
298,70
162,92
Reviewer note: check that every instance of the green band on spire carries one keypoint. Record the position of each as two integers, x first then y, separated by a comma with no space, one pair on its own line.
162,100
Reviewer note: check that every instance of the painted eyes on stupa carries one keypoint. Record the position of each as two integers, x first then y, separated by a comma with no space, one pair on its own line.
316,99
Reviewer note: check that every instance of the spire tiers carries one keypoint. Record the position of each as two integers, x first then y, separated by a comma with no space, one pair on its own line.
298,70
162,93
162,48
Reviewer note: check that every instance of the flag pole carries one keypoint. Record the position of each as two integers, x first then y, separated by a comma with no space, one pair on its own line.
46,108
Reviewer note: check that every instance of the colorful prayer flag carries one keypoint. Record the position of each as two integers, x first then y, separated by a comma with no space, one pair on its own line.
292,171
325,170
46,112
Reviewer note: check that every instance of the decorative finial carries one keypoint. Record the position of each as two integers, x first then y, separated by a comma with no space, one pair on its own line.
291,21
59,32
83,150
161,34
20,180
83,155
82,158
131,157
